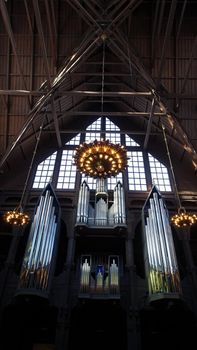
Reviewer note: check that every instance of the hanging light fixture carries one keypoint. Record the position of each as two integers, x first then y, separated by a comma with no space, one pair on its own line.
18,217
100,158
182,218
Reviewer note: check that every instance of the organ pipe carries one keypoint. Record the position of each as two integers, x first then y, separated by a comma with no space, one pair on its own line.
99,274
152,255
115,205
38,259
79,204
43,230
122,201
83,203
111,215
86,203
114,276
101,202
159,244
159,252
119,204
85,276
101,186
91,211
48,256
176,284
99,278
101,213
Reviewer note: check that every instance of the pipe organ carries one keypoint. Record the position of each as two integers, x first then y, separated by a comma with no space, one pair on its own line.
101,212
159,253
85,274
101,202
119,204
83,203
37,264
99,275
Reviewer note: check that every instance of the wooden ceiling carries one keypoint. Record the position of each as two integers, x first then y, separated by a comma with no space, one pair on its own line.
63,63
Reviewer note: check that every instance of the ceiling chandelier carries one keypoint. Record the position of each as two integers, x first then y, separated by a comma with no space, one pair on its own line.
182,218
100,158
18,217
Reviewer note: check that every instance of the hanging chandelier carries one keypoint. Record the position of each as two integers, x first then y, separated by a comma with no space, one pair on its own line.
182,218
100,158
18,217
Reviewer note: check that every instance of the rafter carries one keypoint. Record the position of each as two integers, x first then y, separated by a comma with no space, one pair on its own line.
10,33
104,22
148,131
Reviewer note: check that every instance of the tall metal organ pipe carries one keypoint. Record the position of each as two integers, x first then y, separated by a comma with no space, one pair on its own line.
83,203
115,205
102,212
122,200
101,202
38,259
159,252
85,275
119,204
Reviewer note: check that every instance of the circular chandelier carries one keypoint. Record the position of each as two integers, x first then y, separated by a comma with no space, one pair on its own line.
16,217
100,158
183,219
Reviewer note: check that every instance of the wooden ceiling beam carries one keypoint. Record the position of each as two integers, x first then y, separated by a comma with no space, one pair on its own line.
148,131
166,37
76,92
10,33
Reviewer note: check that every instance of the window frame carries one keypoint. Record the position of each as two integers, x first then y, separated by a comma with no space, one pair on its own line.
106,126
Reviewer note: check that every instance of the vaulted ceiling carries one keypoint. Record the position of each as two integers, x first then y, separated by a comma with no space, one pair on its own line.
65,62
